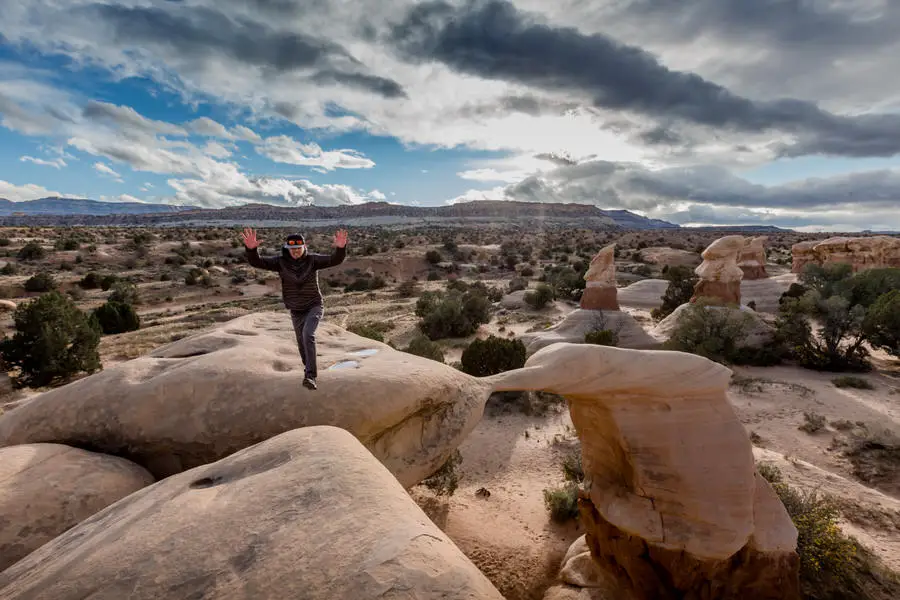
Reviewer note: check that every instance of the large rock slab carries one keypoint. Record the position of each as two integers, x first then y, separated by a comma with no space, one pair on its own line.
45,489
671,500
862,253
204,397
765,293
646,294
307,514
579,322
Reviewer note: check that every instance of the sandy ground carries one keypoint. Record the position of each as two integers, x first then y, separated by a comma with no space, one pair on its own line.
508,534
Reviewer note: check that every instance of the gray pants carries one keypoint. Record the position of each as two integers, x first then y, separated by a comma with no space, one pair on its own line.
305,324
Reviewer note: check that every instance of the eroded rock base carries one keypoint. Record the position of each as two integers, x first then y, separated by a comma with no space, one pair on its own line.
718,292
754,271
599,298
646,572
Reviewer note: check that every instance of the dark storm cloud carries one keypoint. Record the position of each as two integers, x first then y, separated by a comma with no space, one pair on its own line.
493,39
199,32
636,187
797,23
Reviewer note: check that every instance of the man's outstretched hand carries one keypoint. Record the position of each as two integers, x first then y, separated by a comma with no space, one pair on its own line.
250,240
340,238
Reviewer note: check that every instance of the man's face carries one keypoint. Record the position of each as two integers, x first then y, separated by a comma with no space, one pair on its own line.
298,251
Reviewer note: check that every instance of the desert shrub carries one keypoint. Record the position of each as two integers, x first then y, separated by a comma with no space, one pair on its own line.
31,251
433,257
516,284
454,314
566,282
492,355
124,292
867,287
116,317
540,297
882,323
812,422
573,469
66,244
8,269
839,345
712,332
422,346
54,340
681,280
107,282
562,502
40,282
90,281
445,480
601,337
409,289
849,381
366,330
4,241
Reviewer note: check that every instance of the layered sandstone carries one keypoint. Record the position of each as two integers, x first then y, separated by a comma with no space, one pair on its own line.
600,282
720,275
752,259
862,253
203,397
45,489
671,500
307,514
572,329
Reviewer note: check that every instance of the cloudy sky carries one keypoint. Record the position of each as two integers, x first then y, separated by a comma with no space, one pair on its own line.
783,112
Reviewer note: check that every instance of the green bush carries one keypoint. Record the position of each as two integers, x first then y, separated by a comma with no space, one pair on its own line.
40,282
867,287
366,330
562,502
849,381
454,314
117,317
712,332
540,297
681,280
31,251
124,292
601,337
492,355
422,346
54,340
445,480
882,323
90,281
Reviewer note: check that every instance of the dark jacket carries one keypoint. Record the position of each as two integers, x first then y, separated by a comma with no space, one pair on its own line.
299,278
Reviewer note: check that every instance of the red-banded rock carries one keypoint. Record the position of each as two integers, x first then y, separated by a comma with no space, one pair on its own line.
45,489
600,282
862,253
672,504
801,255
307,514
752,259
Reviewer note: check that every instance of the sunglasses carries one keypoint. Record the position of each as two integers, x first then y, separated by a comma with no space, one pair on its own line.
295,243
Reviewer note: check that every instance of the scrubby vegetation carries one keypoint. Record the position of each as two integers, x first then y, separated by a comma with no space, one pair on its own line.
493,355
54,341
681,287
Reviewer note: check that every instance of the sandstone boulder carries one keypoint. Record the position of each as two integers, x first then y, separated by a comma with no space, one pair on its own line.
765,293
672,504
307,514
579,322
204,397
7,306
664,256
720,275
862,253
45,489
646,294
752,259
600,287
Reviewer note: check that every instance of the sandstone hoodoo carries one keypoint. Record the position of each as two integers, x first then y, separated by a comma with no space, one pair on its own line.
307,514
720,275
871,252
45,489
752,259
672,499
204,397
600,282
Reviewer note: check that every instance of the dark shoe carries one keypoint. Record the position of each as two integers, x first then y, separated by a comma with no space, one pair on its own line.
309,382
